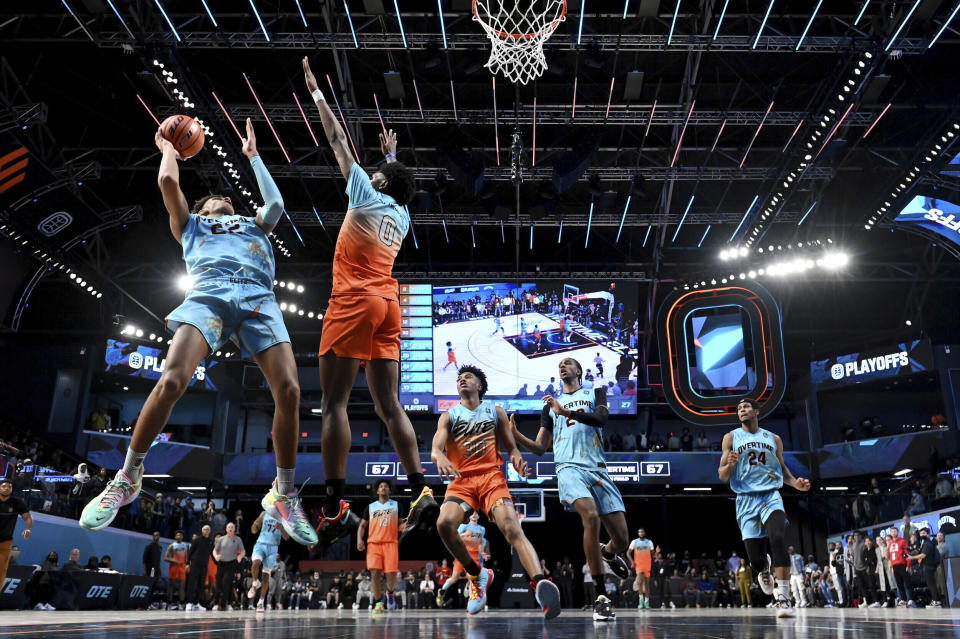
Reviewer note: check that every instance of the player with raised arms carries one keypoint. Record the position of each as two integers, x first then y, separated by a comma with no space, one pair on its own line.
573,423
752,461
466,449
230,259
362,323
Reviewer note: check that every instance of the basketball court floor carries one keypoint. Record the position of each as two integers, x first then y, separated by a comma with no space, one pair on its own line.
509,359
656,624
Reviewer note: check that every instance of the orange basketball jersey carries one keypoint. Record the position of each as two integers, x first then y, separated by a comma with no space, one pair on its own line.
383,521
369,240
472,445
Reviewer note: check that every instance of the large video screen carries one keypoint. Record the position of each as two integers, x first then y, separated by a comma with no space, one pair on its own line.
133,359
719,361
518,333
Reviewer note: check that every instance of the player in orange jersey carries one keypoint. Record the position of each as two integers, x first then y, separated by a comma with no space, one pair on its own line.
470,433
362,323
382,517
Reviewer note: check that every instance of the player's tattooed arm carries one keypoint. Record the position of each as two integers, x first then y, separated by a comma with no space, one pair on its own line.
336,136
444,466
728,460
544,436
257,524
799,483
598,418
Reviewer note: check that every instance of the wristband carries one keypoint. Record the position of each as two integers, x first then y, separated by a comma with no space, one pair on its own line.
390,155
317,96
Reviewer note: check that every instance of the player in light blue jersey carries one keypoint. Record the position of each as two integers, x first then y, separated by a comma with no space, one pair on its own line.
231,263
265,554
752,461
573,422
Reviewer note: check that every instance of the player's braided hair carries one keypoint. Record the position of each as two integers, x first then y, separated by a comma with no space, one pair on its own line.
479,374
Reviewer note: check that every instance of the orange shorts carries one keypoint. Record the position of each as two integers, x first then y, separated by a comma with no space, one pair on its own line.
458,567
177,571
480,491
363,327
642,570
383,557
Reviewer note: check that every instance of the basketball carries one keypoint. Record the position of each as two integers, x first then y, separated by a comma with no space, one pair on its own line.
184,133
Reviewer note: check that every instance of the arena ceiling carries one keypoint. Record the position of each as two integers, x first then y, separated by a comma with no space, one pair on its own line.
660,134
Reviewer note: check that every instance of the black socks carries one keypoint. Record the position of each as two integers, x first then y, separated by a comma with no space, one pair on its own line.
335,487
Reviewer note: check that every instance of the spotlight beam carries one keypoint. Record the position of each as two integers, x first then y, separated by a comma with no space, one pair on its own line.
267,117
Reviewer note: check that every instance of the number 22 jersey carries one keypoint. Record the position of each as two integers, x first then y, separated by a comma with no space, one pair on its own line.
227,246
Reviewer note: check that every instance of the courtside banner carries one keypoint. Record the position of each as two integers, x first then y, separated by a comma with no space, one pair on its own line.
13,591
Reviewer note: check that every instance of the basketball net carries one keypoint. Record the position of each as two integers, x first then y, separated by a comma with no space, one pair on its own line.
517,30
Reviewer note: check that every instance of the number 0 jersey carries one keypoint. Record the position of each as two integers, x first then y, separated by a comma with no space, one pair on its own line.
472,445
576,444
758,468
227,246
369,240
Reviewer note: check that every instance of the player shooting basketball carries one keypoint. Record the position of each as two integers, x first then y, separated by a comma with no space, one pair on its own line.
231,261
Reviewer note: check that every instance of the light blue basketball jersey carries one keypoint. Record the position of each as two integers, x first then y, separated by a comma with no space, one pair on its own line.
574,443
228,246
270,532
474,531
758,468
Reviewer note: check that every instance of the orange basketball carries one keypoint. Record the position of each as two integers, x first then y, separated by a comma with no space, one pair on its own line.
184,133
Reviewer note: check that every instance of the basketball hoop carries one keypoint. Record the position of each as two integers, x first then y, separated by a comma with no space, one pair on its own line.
517,30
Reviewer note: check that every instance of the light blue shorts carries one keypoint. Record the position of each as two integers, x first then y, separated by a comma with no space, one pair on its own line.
576,483
266,554
753,509
233,309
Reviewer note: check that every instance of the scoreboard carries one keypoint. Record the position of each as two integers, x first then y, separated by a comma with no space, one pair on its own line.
416,347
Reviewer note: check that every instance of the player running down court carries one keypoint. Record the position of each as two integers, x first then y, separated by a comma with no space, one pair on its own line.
573,421
641,552
474,538
471,433
265,553
752,462
176,556
362,323
382,517
231,261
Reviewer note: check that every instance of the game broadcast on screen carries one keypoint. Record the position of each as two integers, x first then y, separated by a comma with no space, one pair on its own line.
517,333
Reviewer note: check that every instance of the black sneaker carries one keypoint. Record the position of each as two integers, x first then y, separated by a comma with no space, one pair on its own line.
423,514
617,564
329,531
603,610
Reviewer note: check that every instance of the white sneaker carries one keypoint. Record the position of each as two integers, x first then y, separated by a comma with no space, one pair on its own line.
765,579
216,608
260,606
229,607
784,609
355,606
875,604
339,606
189,607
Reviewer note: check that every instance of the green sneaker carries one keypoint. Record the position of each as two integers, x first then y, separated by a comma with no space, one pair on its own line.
289,510
103,508
646,604
378,608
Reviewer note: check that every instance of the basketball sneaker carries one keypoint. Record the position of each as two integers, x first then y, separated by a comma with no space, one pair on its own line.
423,513
548,598
331,529
102,509
603,610
478,590
377,609
441,597
617,564
260,606
784,609
289,510
765,579
391,601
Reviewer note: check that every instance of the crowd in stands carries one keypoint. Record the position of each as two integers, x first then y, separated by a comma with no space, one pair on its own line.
871,427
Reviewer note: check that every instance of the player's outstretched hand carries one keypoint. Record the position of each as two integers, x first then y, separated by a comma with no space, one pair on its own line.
445,468
388,143
802,484
554,405
164,144
519,464
361,546
308,76
250,142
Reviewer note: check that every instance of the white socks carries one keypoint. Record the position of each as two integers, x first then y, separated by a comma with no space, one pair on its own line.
783,590
133,463
285,482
